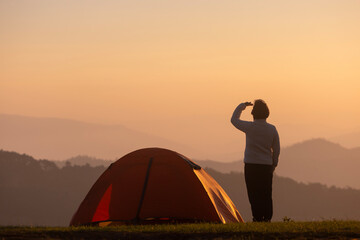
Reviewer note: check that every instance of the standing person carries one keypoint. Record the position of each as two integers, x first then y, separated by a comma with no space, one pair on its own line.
261,157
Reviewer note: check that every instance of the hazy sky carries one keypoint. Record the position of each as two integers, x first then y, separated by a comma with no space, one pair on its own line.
177,69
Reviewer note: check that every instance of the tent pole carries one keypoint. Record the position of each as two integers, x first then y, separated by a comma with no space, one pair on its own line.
137,218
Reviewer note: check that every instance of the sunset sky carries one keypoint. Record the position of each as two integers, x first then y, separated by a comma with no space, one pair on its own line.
177,69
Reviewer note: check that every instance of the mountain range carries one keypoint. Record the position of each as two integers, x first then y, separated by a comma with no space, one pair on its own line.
319,160
58,139
314,160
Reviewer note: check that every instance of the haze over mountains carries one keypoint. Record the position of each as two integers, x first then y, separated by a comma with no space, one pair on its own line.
59,139
319,160
315,160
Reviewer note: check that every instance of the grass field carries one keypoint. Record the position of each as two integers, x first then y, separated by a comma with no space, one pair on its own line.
276,230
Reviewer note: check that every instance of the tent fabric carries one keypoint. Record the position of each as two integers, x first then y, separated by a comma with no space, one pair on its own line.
155,185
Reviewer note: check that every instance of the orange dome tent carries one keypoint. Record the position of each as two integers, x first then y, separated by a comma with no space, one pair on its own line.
155,185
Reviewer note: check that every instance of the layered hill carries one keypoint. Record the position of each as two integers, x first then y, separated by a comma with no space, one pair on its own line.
315,160
319,160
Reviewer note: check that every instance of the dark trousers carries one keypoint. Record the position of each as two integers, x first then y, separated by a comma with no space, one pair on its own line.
258,178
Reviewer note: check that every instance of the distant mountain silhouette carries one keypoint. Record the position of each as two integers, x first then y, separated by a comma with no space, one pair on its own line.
319,160
37,192
316,160
82,160
60,139
224,167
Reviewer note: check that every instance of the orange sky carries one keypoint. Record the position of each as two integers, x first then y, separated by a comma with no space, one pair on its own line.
177,69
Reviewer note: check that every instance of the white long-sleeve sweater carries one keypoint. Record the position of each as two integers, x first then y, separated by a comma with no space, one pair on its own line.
262,139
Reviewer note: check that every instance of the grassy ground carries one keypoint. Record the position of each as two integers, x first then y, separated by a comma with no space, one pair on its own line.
277,230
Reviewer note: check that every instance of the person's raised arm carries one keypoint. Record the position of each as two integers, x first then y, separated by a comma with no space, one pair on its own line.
235,119
276,149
